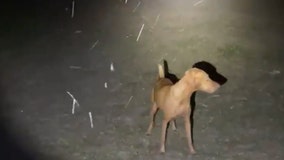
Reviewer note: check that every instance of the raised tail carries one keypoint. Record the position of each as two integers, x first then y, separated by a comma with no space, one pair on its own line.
161,71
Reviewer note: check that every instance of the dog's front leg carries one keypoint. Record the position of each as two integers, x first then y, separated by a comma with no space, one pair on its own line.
163,136
188,133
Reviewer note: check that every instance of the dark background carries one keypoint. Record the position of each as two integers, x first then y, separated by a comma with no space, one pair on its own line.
39,43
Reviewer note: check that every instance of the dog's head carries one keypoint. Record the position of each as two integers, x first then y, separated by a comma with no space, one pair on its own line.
201,80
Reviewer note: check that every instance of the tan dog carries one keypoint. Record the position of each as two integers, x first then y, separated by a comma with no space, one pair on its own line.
173,100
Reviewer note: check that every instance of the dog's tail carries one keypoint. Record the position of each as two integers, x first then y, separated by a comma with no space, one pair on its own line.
161,71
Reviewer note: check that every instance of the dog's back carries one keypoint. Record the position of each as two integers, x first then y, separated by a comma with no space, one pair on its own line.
161,84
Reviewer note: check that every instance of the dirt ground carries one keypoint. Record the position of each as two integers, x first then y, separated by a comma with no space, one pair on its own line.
45,53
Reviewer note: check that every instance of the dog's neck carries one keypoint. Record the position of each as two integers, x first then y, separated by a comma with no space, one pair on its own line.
183,88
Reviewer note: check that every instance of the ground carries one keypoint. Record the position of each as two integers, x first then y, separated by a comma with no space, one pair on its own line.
46,53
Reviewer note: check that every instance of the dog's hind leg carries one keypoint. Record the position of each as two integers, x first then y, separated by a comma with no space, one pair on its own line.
153,112
173,124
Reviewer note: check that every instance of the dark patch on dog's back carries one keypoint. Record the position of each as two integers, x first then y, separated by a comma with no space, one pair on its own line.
169,75
211,71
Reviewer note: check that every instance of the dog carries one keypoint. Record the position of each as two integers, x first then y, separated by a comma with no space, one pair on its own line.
173,100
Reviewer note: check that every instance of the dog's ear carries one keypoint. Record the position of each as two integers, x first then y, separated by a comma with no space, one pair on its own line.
194,75
190,76
192,72
186,72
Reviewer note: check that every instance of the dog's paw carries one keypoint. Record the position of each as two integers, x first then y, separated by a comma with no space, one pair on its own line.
148,133
162,153
192,151
162,150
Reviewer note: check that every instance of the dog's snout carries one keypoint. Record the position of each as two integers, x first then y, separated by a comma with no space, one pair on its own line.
215,87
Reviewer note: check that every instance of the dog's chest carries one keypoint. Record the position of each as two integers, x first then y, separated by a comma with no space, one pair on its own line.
180,110
177,109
